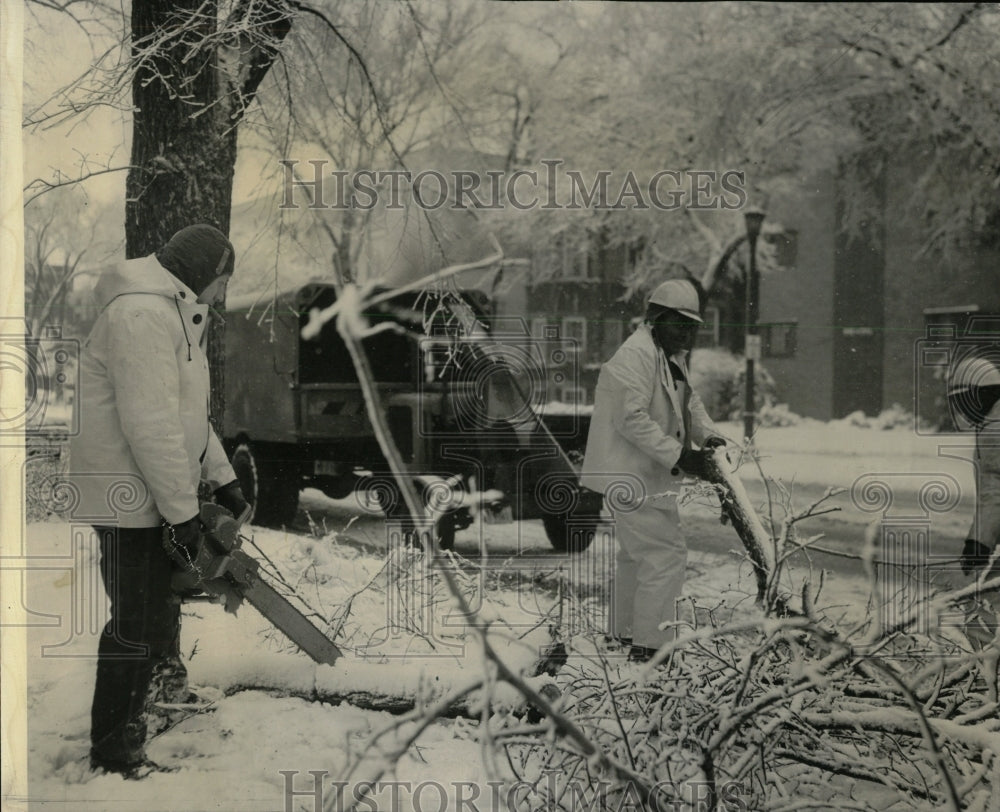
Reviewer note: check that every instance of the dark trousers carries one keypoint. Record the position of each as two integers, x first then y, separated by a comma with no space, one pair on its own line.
143,631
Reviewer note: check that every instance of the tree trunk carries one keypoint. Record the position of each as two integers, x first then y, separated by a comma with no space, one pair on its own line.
185,124
182,165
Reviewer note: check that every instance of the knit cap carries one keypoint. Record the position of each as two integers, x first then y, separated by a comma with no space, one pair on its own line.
197,255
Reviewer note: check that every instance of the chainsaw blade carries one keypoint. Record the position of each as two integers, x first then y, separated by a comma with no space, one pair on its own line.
241,578
288,620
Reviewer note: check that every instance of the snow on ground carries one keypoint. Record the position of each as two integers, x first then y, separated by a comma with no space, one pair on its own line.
885,475
232,757
837,453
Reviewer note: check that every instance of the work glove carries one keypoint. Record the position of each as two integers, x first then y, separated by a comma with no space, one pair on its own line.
230,496
183,540
974,556
185,544
694,462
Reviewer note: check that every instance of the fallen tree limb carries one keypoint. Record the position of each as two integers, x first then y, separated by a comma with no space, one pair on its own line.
896,720
365,700
739,511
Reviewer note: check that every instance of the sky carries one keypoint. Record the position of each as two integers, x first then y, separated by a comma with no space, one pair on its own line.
56,52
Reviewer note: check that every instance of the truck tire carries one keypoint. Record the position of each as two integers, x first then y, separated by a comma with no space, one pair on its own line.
337,487
445,525
271,486
569,537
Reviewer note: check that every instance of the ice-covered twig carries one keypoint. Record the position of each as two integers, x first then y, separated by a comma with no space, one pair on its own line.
319,317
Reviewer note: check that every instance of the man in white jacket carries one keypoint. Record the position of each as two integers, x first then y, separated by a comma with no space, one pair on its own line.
974,395
144,446
645,425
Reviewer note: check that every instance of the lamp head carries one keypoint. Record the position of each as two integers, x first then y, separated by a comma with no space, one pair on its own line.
754,219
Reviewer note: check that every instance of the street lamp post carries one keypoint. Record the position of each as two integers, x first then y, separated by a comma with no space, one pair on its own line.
754,219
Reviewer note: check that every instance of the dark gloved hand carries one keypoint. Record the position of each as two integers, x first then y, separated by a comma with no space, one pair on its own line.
974,556
185,535
714,442
183,543
230,497
694,462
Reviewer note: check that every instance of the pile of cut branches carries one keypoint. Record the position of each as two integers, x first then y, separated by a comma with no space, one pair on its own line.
788,709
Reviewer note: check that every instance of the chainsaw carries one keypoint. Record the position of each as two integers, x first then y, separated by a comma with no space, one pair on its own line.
221,572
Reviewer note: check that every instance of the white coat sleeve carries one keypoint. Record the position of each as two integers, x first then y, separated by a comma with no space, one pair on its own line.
142,369
632,375
986,528
215,469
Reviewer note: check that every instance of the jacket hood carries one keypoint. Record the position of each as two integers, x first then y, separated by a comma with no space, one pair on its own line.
144,275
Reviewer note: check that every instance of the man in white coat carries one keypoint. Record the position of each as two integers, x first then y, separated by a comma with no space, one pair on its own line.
643,432
974,397
144,446
974,394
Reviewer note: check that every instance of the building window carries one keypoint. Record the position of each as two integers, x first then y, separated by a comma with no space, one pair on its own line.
574,334
786,247
576,395
633,253
708,331
577,262
566,257
779,339
613,329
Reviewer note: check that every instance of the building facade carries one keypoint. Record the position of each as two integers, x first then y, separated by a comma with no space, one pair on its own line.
845,312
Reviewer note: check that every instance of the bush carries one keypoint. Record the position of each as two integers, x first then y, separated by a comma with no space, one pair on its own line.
777,415
895,417
717,376
46,457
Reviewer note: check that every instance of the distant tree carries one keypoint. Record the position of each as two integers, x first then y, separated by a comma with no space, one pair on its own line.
61,237
370,114
771,89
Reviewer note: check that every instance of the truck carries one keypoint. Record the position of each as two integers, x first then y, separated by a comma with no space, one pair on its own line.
459,401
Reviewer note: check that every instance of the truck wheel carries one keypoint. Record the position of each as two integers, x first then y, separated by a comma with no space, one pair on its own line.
337,487
270,486
446,524
566,537
446,531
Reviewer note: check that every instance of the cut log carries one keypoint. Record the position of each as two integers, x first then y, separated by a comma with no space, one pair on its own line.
468,707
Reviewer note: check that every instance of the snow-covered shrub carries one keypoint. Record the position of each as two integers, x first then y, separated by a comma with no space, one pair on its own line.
895,417
46,459
777,415
717,376
858,419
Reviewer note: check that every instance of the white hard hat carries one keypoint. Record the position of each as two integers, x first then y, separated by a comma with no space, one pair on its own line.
972,372
679,295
